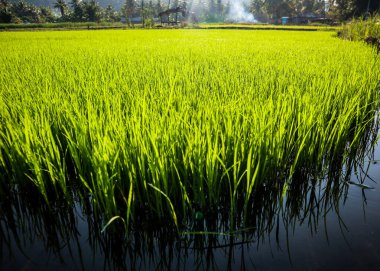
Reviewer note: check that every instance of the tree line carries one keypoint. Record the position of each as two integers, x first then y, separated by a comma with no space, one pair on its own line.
341,10
205,10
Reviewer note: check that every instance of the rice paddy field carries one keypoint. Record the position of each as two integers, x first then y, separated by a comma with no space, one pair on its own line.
178,125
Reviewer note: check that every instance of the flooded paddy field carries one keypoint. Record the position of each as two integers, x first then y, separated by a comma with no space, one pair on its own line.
183,150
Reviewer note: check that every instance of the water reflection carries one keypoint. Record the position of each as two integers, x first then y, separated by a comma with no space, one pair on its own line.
67,234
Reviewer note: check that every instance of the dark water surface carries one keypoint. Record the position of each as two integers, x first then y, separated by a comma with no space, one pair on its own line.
334,227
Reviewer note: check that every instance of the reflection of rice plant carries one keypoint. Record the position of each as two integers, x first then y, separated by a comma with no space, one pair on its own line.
167,122
26,220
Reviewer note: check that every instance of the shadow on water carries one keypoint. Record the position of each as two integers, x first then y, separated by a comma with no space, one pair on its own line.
67,234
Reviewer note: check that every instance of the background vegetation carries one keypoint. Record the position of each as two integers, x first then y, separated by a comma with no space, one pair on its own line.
360,29
266,11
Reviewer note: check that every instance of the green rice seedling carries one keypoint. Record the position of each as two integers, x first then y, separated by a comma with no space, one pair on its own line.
171,123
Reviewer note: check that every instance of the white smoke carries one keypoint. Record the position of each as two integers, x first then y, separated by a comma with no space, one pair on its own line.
238,12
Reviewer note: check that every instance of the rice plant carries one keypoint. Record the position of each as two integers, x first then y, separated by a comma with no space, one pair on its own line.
173,122
367,30
360,28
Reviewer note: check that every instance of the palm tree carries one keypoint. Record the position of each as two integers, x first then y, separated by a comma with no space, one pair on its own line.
92,9
5,13
129,9
62,6
4,4
78,10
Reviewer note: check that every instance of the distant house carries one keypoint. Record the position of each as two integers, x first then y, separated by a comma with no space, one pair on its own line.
173,15
134,20
284,20
306,18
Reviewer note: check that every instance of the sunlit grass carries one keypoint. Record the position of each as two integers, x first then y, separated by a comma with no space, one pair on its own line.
360,29
171,121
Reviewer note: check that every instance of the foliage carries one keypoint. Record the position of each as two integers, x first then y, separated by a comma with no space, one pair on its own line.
61,6
367,30
129,10
207,11
361,29
110,15
346,9
23,12
92,10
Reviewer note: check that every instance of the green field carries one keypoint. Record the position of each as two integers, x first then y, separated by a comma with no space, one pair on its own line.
172,121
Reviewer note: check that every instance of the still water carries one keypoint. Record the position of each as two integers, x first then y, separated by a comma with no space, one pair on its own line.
327,227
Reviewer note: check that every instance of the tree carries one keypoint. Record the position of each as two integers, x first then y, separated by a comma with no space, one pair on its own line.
346,9
5,11
313,6
257,8
142,13
158,8
274,8
61,6
46,15
363,6
342,9
78,10
150,10
26,12
211,7
110,15
129,9
92,11
173,3
219,8
211,11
